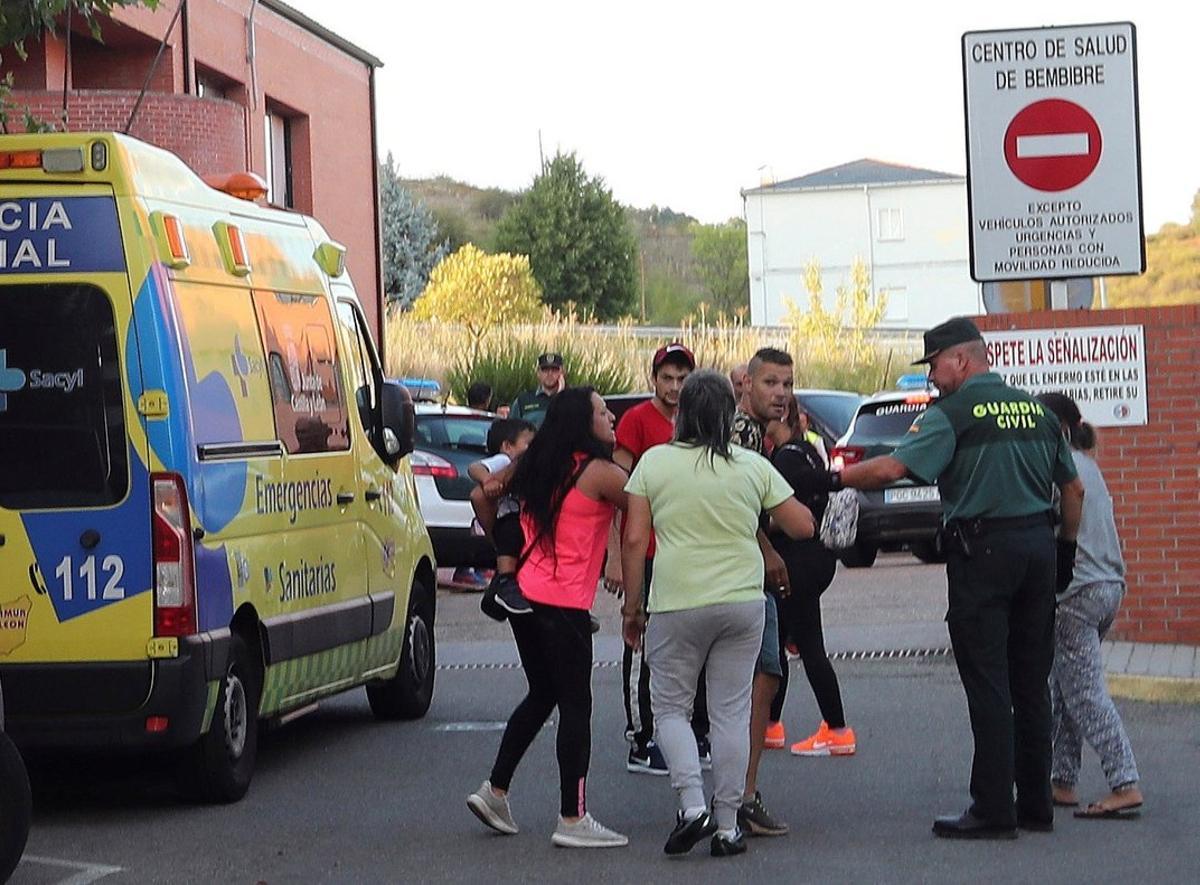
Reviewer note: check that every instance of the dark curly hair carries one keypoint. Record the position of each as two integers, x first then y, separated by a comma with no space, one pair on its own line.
540,479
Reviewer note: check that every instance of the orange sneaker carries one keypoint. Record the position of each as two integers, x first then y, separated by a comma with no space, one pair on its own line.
827,742
776,738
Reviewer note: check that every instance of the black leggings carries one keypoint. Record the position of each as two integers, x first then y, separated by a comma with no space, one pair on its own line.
810,571
555,645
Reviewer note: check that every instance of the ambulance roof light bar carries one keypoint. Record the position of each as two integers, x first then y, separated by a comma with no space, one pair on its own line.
243,185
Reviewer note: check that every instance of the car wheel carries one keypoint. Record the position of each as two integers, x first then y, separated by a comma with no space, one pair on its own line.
16,807
927,551
408,694
859,556
221,763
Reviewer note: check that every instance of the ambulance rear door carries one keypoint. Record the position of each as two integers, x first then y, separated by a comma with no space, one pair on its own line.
75,549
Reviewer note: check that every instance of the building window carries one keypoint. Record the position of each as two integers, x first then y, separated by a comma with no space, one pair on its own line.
211,83
891,224
206,88
896,310
279,160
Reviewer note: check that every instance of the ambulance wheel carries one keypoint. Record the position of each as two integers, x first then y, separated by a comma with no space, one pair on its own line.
16,807
222,762
408,694
859,556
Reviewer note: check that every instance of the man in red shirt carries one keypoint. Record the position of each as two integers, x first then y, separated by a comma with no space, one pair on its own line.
648,424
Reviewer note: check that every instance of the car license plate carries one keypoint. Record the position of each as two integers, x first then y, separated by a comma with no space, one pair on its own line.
910,495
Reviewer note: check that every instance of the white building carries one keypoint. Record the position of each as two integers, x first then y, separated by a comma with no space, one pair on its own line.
907,225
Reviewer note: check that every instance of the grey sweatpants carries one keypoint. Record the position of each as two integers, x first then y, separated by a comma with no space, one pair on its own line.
1083,709
725,639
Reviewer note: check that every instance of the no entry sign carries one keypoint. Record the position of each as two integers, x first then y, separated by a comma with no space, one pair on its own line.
1053,166
1052,145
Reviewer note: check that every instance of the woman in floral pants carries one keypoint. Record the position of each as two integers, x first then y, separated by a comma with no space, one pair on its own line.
1083,709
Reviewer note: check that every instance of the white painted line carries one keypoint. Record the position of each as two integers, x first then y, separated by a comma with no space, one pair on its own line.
85,874
471,726
1066,144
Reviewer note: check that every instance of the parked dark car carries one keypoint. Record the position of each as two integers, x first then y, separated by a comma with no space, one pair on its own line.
906,513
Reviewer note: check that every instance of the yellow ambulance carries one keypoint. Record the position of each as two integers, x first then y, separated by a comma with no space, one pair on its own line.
207,515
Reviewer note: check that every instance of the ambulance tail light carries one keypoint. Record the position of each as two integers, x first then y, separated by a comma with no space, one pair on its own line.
174,566
844,456
20,159
51,160
426,464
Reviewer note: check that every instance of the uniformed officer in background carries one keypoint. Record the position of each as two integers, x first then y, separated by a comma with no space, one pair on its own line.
996,455
531,405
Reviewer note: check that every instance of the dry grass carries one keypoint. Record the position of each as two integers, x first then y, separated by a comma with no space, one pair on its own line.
616,360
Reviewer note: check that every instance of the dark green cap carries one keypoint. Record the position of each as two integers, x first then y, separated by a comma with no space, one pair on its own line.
959,330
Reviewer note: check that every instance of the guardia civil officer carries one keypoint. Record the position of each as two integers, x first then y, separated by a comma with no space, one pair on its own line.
996,454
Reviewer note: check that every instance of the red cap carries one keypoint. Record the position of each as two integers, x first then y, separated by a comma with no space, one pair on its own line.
667,350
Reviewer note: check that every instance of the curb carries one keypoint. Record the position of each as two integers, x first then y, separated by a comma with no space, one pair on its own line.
1155,689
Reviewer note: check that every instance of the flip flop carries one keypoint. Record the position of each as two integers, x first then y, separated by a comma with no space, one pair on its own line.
1095,811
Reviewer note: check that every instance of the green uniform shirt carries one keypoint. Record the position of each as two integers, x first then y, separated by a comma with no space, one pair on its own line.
531,406
993,450
705,520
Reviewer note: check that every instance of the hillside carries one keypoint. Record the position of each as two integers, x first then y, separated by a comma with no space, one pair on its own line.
668,284
1172,268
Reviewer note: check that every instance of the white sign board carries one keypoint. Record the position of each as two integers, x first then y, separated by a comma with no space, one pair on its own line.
1054,182
1102,368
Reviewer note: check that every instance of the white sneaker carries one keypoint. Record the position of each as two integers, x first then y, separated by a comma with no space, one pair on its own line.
493,810
587,832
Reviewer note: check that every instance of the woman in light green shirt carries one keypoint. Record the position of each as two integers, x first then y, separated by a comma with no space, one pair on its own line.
703,498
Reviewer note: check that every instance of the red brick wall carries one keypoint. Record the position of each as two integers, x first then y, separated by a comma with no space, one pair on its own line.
1153,471
208,134
326,89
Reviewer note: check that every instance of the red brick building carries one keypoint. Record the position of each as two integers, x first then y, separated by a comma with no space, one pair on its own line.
241,84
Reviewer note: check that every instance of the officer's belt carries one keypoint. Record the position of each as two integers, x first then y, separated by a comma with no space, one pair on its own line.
982,525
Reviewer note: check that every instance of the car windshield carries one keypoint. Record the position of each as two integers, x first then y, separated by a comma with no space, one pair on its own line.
885,423
834,409
455,432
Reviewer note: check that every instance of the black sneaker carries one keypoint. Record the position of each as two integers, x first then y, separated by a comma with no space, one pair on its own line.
723,846
704,748
488,604
754,819
688,832
646,760
508,595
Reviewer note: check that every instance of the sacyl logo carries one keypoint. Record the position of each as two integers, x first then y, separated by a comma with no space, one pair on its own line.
11,380
64,381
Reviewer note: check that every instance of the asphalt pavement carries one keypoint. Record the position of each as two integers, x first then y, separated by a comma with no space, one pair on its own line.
341,798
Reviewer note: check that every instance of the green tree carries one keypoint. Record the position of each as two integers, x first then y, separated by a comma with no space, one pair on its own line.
411,243
453,227
719,251
577,238
30,18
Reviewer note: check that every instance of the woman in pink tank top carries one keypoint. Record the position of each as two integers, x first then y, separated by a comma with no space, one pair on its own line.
568,487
